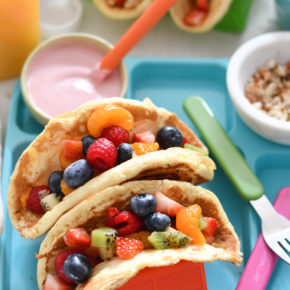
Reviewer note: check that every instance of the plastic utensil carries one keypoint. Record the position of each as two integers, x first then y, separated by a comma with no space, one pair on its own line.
275,227
154,12
183,276
262,260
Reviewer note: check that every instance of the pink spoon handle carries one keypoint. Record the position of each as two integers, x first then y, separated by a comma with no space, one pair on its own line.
262,260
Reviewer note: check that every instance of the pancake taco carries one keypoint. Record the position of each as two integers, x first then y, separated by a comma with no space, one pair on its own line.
109,237
122,9
101,144
198,16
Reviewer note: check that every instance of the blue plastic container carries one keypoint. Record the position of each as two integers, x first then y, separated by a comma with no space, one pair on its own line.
167,82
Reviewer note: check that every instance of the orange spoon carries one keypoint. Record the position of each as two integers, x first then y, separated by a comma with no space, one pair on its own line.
155,11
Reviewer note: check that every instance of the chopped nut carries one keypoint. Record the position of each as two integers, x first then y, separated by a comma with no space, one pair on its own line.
269,90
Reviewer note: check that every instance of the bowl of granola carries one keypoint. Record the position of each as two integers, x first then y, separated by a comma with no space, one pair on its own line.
258,80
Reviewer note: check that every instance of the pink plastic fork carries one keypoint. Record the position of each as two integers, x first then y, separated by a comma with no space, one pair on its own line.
262,260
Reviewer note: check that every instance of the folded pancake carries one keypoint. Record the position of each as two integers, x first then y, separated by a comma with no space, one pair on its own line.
204,20
41,158
91,214
122,9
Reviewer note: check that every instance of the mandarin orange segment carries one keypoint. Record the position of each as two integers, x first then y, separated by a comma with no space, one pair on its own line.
143,148
65,188
187,223
109,115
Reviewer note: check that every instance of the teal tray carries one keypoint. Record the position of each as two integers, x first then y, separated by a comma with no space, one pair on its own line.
167,82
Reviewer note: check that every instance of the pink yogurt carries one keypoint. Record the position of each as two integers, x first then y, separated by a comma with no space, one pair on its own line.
60,78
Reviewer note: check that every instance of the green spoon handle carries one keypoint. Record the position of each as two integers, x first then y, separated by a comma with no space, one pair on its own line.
223,149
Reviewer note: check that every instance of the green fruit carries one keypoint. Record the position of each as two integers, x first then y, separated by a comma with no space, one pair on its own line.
202,224
105,239
168,239
195,148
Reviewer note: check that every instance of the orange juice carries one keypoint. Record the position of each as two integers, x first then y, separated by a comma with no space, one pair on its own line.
19,34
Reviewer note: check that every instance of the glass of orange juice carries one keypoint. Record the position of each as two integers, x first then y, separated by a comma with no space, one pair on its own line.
19,34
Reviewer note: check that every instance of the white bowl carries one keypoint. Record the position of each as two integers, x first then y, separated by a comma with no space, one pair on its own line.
251,56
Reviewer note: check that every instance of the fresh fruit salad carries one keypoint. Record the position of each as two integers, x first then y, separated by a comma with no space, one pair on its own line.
109,143
153,221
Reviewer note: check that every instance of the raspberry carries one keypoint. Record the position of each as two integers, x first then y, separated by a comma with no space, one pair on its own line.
125,222
58,265
144,137
109,115
142,148
116,135
77,239
128,248
33,201
102,154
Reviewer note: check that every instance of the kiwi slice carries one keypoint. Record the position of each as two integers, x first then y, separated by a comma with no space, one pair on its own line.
195,148
202,224
168,239
105,239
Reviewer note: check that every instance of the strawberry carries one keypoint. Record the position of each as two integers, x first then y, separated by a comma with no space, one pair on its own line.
211,226
116,135
185,141
144,137
166,205
128,248
58,265
33,201
202,4
73,149
77,239
53,282
195,17
120,3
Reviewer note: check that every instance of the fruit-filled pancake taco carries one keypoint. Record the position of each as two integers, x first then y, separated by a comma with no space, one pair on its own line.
102,143
199,16
122,9
109,237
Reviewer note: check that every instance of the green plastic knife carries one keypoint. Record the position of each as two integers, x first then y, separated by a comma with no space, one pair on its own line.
223,149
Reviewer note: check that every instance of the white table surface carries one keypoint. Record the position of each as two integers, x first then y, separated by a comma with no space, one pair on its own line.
165,39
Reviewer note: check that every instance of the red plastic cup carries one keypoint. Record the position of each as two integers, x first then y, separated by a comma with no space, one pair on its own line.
184,275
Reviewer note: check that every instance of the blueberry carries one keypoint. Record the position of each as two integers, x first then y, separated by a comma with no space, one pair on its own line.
143,204
125,152
78,173
87,141
169,137
77,267
156,222
54,182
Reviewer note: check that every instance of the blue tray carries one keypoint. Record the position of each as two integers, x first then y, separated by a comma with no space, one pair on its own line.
167,82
